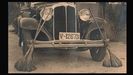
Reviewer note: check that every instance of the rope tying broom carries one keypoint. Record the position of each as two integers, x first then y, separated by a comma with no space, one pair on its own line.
26,62
110,59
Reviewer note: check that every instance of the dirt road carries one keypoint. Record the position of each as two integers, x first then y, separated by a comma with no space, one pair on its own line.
60,62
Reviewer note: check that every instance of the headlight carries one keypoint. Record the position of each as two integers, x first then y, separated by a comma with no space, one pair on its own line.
84,14
46,14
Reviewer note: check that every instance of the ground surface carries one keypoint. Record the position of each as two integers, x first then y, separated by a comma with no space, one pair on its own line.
60,62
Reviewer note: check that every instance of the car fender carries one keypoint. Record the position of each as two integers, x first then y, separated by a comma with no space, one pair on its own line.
28,23
102,24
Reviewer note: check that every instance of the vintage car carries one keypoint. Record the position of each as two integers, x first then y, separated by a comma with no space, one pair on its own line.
61,26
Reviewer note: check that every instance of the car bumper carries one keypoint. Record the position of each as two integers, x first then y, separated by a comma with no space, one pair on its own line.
68,43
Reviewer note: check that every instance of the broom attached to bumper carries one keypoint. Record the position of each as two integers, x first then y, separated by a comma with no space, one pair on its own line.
110,59
26,62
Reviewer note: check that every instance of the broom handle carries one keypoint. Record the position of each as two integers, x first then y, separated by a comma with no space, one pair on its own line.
32,45
97,26
103,36
37,32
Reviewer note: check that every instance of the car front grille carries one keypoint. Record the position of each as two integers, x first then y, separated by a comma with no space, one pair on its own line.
64,20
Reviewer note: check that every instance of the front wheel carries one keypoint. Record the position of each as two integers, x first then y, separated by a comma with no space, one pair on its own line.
97,53
26,35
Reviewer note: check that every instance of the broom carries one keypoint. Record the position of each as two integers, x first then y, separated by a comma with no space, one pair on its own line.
26,62
110,59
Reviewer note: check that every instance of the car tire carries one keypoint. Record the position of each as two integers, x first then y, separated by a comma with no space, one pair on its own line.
97,53
20,35
26,35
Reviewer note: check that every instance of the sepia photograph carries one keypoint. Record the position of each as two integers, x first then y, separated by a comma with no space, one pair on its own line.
67,37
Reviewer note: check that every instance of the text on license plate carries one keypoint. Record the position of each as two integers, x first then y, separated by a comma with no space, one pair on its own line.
69,36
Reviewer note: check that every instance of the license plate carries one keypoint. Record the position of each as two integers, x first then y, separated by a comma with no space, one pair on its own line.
69,36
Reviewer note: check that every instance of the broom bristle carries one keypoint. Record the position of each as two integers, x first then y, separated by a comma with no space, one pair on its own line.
111,60
115,61
24,65
106,61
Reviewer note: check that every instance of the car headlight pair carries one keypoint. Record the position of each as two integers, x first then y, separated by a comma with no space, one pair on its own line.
47,13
